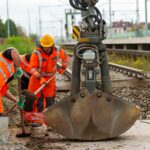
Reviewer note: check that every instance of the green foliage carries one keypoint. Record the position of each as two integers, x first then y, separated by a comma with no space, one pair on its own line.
142,63
149,26
21,31
139,63
2,29
13,28
23,44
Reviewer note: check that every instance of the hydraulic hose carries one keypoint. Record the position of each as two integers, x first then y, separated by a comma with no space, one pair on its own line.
83,47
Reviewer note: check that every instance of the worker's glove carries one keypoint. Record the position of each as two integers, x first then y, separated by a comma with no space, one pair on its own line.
20,104
42,80
18,74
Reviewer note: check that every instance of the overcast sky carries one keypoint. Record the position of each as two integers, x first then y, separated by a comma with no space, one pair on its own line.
53,11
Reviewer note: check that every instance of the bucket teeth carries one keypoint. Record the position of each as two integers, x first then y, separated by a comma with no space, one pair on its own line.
92,116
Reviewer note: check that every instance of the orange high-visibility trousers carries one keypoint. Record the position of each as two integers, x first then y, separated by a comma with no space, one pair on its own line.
48,91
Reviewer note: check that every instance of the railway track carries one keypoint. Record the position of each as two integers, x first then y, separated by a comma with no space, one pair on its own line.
137,77
132,86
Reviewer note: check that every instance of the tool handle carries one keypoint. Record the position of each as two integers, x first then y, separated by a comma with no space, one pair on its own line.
20,99
42,86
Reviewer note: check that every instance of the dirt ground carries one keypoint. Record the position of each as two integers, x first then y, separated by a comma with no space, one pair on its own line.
136,138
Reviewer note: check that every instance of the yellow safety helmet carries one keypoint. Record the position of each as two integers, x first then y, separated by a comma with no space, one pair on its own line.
47,41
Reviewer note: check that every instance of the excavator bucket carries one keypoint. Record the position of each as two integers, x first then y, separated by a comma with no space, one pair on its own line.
95,116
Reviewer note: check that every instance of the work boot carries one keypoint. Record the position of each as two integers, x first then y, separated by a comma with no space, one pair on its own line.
38,130
50,101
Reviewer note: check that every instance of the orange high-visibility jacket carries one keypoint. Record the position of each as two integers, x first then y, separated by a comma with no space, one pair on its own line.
46,64
7,69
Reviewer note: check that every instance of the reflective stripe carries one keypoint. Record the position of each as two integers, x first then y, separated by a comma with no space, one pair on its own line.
26,74
39,58
40,62
46,74
9,66
58,55
4,75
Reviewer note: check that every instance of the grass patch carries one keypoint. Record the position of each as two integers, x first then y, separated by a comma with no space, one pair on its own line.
138,63
23,44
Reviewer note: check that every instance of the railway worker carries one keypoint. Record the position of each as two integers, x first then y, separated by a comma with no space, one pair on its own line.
27,72
9,68
44,59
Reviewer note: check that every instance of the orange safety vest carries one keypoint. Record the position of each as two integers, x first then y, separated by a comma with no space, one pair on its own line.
46,64
7,69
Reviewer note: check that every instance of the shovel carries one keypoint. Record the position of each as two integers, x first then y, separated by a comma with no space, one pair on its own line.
32,96
24,133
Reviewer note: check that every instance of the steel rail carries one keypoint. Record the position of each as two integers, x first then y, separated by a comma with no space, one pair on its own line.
132,72
140,78
128,71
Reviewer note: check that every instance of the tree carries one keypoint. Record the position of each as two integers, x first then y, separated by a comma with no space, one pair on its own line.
149,26
13,28
2,29
21,31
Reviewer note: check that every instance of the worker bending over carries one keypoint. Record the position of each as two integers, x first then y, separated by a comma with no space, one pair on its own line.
9,68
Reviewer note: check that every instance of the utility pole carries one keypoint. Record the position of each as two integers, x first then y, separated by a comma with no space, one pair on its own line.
110,18
37,29
66,25
8,23
40,23
29,22
137,13
146,22
103,13
61,21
